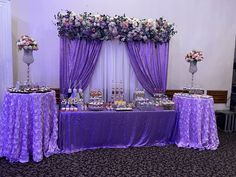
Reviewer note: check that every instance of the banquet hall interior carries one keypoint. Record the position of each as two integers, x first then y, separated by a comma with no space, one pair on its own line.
117,88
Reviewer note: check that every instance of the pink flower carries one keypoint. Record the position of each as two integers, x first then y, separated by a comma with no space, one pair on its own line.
194,55
26,42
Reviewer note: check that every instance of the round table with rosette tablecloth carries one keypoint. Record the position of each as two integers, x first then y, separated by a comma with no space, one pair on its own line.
28,126
197,122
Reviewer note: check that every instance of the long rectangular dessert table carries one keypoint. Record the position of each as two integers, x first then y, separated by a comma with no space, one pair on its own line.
110,129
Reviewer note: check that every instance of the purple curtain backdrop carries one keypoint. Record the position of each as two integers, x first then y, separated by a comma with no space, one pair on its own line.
150,63
78,59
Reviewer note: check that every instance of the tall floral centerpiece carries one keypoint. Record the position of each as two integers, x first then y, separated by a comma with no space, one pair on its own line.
27,44
193,57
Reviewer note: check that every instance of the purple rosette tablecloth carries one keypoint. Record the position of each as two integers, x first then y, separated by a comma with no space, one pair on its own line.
110,129
197,122
28,126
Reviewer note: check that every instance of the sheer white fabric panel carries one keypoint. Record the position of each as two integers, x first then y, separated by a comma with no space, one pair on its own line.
6,75
113,67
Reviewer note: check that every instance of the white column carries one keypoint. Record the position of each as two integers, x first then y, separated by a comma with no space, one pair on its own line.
6,75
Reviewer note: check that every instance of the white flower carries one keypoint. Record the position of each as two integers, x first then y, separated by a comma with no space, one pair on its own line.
77,23
135,24
154,25
64,20
72,14
144,38
96,15
63,13
150,20
112,24
71,18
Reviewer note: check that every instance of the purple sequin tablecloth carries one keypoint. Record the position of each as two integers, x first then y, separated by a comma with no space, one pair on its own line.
109,129
197,122
28,126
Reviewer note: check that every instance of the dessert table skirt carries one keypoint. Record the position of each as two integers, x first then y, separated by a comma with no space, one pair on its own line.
89,130
197,122
28,126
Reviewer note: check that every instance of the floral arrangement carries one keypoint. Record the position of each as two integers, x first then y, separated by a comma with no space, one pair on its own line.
194,55
104,27
27,43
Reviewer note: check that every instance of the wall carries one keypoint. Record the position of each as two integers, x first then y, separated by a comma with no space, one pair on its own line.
208,25
5,47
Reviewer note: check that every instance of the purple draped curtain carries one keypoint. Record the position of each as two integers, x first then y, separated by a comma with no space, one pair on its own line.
78,59
149,61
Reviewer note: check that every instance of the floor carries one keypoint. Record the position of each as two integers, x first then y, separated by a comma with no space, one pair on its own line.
146,161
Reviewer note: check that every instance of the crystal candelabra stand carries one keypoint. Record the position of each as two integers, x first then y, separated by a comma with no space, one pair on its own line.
192,70
28,59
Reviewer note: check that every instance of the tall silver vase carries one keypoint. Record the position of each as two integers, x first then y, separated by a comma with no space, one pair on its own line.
28,59
192,70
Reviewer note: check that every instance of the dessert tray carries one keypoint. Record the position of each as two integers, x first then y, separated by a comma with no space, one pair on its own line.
168,105
69,109
96,105
96,102
139,94
29,90
93,107
124,109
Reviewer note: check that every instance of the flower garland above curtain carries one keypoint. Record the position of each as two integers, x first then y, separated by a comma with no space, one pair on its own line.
104,27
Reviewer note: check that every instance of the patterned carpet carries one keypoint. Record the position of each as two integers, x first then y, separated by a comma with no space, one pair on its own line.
146,161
